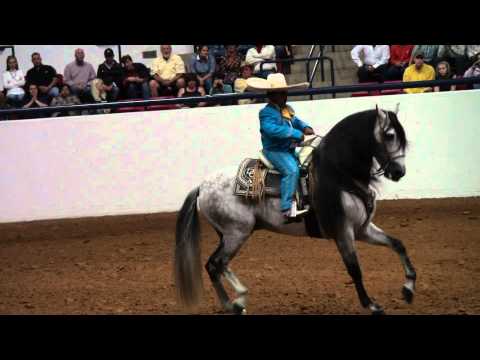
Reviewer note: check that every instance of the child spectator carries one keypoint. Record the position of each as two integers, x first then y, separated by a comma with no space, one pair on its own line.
419,71
219,87
399,60
259,53
444,73
34,100
65,98
135,79
100,90
456,55
192,89
13,82
203,66
246,72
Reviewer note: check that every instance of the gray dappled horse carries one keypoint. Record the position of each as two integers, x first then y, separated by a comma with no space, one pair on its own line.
343,172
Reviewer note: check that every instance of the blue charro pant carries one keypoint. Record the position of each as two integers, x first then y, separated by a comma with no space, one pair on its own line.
287,164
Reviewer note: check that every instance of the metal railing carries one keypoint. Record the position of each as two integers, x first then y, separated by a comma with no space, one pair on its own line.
219,98
307,64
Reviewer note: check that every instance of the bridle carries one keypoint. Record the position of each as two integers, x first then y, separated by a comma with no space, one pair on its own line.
381,170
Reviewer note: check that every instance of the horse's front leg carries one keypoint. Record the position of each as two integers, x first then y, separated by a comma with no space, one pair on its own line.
346,247
376,236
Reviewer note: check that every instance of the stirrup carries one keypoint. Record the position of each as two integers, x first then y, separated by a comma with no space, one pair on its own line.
296,213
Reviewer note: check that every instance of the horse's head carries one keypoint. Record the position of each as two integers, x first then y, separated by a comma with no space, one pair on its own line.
390,144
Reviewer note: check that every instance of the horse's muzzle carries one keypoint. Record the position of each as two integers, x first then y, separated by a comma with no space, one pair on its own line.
395,171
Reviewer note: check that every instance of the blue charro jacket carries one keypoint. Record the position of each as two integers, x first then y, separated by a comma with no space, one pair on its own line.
277,133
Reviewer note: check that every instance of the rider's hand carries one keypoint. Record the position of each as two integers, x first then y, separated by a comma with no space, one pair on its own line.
308,131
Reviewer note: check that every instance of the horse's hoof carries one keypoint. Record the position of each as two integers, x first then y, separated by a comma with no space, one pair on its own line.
376,309
239,309
407,295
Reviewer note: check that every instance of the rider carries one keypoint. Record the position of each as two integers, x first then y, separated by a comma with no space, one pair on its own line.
281,130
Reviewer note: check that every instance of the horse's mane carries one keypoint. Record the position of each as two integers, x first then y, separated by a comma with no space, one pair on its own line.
344,159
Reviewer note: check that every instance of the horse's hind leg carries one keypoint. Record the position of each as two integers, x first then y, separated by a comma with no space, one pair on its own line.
217,265
374,235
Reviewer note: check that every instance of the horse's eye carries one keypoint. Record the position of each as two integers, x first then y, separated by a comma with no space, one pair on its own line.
389,137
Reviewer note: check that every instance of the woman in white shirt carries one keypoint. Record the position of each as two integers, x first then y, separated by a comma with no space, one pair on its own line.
13,82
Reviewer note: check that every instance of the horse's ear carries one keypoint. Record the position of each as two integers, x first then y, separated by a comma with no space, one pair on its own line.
397,109
382,118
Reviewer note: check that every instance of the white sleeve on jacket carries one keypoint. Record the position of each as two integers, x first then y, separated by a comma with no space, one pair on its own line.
20,82
385,56
355,53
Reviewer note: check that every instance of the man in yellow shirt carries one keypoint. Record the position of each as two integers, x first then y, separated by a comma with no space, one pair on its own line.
419,71
167,72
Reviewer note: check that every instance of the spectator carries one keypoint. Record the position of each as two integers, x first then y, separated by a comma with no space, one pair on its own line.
203,66
456,55
474,71
100,90
374,63
419,71
3,105
229,65
219,87
110,68
79,76
44,76
135,79
430,54
444,73
13,82
283,52
34,100
193,88
167,71
246,72
473,51
399,60
256,55
65,98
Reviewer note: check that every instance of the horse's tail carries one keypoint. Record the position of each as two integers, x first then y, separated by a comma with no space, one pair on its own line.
188,269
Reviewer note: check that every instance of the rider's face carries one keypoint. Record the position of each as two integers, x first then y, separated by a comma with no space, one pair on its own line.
279,98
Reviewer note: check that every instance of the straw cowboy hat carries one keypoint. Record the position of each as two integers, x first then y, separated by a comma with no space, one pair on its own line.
274,82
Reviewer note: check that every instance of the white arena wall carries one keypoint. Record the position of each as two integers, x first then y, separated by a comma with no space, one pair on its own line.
147,162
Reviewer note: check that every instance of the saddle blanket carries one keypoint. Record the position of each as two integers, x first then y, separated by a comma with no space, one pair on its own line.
245,178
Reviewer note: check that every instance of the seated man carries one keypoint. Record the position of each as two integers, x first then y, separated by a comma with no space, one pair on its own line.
167,72
44,76
256,55
374,63
419,71
135,79
111,69
79,76
399,60
281,130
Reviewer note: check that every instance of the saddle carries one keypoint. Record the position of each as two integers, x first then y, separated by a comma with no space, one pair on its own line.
257,178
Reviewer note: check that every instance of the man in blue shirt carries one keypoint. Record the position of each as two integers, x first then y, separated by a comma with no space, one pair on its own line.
281,131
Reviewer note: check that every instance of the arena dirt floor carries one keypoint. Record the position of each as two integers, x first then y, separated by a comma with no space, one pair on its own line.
123,265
